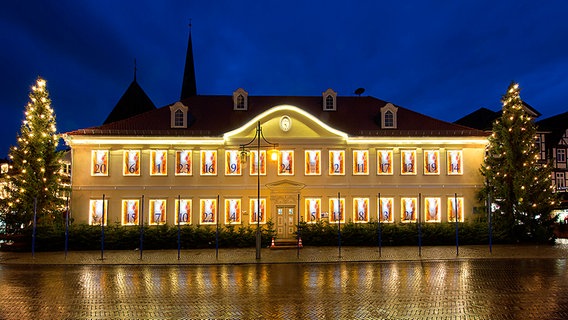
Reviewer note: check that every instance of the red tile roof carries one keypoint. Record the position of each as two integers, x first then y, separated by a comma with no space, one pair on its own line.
213,116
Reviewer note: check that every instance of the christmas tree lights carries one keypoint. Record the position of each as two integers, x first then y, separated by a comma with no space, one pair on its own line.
513,177
35,166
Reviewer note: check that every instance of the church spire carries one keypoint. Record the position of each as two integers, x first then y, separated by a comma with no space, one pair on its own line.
188,87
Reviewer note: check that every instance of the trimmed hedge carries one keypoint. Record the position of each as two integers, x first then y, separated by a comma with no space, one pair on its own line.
117,237
322,233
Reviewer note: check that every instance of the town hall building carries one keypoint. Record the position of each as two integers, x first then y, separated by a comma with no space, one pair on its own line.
240,159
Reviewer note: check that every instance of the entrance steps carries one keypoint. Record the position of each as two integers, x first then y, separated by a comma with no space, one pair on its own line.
282,244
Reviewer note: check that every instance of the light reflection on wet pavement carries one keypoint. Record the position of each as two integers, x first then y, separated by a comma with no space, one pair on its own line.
443,289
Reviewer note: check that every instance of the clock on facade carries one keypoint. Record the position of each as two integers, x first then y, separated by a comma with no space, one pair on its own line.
285,123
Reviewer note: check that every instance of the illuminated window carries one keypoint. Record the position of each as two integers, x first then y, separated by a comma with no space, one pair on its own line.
286,163
313,210
130,212
131,163
384,162
99,163
208,162
432,207
157,214
313,162
360,162
386,210
455,204
408,162
208,211
336,162
183,211
431,162
361,210
337,210
257,211
97,210
408,209
232,163
455,162
183,163
158,162
232,211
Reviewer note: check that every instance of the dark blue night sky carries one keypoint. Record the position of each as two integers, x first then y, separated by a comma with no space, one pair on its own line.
441,58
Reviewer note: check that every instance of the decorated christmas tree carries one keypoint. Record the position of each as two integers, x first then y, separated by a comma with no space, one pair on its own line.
34,180
519,186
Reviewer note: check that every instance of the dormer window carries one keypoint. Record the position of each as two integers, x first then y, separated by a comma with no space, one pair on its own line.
388,116
240,100
329,100
178,117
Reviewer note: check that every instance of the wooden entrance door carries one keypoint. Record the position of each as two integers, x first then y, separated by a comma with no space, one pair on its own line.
286,221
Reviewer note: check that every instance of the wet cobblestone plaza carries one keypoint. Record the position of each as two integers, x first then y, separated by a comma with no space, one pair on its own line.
531,287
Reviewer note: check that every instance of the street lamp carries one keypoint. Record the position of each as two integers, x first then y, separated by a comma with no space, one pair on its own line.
258,137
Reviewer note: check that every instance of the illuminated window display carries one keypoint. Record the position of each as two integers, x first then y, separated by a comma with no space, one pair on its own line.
131,162
337,210
384,162
286,163
432,209
232,211
130,212
184,163
157,212
431,162
208,162
455,160
455,204
208,211
158,162
253,163
183,211
232,163
361,210
312,209
336,162
408,162
408,209
360,162
96,212
254,214
99,163
386,210
313,162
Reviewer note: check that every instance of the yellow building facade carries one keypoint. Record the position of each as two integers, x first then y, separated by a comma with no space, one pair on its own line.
310,170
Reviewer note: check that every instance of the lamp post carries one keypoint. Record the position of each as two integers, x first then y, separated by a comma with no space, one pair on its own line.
258,137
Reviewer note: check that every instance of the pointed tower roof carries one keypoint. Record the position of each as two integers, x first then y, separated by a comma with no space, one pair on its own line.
134,101
189,86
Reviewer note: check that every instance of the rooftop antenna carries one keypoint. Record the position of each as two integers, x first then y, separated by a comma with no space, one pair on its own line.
135,69
359,91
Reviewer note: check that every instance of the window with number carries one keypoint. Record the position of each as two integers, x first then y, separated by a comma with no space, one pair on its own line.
131,163
99,162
